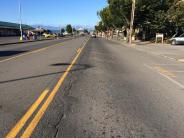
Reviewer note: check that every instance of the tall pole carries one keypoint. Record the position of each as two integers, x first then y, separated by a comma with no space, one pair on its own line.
40,33
72,31
20,20
132,21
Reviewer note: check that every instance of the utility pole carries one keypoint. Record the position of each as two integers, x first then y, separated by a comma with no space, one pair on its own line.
72,30
40,33
132,21
20,20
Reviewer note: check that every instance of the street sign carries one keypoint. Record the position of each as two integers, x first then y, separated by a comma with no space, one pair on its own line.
159,36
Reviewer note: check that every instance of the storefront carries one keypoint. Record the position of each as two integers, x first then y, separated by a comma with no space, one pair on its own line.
12,29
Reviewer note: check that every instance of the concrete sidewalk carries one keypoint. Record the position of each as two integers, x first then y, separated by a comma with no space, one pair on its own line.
165,50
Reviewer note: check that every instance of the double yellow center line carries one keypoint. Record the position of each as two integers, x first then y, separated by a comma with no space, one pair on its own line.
30,128
28,114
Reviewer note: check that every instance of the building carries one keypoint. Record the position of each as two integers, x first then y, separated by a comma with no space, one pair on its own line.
12,29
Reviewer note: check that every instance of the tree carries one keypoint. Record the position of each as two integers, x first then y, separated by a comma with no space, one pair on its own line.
85,31
151,16
132,21
74,30
100,27
106,17
120,13
69,28
107,23
160,16
175,15
62,30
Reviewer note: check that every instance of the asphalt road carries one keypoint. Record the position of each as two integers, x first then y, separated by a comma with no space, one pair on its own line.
108,91
15,40
16,49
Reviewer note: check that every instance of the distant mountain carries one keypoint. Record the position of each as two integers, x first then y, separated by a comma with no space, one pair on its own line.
84,26
56,29
46,27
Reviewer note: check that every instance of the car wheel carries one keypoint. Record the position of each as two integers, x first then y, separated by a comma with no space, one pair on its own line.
174,42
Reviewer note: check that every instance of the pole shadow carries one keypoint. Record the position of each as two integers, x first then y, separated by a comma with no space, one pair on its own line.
78,67
10,53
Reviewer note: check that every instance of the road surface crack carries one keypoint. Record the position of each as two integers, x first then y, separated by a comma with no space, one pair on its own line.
56,126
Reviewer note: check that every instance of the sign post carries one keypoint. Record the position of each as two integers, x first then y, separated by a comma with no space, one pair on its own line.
161,36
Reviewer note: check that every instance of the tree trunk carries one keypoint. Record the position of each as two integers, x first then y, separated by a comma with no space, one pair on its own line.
112,33
127,35
132,21
118,35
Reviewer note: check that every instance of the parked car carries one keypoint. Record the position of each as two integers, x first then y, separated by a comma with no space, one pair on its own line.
177,40
49,35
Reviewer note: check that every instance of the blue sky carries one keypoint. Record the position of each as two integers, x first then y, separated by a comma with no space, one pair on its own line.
52,12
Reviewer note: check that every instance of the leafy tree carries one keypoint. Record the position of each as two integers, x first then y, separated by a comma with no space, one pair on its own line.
62,30
74,30
106,18
100,27
165,16
69,28
85,31
120,12
151,16
175,15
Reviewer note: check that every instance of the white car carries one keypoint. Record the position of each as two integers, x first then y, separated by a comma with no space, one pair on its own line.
177,40
93,35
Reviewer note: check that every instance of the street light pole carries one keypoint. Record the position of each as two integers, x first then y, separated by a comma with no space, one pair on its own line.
132,21
20,20
40,33
72,31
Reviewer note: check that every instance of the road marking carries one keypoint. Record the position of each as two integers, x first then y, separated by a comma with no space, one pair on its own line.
168,57
169,78
177,60
178,71
164,71
78,50
170,64
181,60
14,131
29,130
28,53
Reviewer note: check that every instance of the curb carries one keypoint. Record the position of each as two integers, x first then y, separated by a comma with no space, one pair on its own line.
134,45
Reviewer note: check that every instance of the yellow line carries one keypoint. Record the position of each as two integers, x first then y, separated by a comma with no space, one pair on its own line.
27,133
28,53
13,133
164,71
78,50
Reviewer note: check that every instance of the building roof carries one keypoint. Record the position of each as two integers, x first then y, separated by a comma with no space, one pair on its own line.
14,25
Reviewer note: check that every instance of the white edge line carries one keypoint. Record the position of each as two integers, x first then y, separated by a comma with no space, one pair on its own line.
172,80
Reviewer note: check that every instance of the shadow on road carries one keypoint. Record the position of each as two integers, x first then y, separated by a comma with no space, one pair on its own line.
76,68
60,64
85,66
10,53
